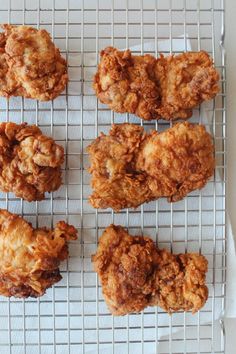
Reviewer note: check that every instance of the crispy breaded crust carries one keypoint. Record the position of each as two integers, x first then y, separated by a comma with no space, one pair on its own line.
30,64
130,167
166,87
30,258
135,274
29,161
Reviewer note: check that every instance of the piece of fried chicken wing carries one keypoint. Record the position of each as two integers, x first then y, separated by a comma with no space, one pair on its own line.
29,161
130,167
166,87
30,258
30,64
135,274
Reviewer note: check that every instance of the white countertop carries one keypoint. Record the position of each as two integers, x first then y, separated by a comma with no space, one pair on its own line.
231,142
230,45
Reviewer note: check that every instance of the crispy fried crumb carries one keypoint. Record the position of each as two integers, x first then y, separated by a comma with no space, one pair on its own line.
166,87
30,64
135,274
30,258
29,161
130,167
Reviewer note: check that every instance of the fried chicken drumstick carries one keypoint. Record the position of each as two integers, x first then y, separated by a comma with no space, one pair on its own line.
29,258
29,161
135,274
30,64
130,167
166,87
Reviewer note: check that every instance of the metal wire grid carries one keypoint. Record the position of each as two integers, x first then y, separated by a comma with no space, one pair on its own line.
72,317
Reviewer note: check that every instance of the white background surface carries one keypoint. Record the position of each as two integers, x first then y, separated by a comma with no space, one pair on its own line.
231,155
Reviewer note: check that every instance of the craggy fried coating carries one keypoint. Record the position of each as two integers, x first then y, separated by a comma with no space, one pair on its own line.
30,64
130,167
30,258
166,87
135,274
29,161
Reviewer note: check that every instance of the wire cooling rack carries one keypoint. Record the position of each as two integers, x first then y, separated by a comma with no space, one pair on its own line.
72,317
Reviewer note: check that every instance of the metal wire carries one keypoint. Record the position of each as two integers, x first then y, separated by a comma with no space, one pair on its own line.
72,317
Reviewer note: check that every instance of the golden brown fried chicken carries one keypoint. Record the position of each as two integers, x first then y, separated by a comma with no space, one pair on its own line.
130,167
167,87
135,274
29,161
30,64
30,258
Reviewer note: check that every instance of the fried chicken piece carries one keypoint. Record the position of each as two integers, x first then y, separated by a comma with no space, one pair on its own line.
166,87
130,167
29,161
30,64
135,274
30,258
